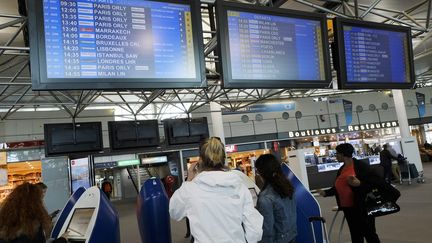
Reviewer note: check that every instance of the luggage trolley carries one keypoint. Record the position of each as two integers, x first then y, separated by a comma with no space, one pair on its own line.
408,171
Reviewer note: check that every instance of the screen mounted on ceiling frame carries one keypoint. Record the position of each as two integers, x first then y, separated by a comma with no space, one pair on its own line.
262,47
373,55
116,44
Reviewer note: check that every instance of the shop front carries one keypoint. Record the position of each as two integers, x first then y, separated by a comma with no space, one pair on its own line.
18,167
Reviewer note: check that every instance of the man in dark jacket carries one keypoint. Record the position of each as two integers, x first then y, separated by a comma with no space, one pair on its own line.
386,158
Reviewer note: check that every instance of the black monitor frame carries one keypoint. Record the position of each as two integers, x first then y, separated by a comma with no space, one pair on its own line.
49,151
170,140
112,128
340,62
222,22
40,81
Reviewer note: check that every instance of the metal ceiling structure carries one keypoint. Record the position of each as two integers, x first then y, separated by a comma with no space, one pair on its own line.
15,82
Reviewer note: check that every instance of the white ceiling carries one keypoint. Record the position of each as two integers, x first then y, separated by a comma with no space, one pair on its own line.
398,5
13,94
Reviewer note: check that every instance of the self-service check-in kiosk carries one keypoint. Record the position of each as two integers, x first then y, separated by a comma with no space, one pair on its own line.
92,219
153,213
65,212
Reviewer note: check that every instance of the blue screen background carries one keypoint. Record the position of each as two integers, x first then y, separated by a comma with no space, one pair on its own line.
376,56
271,47
118,39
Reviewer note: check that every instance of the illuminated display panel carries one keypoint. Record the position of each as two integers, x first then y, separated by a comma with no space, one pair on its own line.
264,47
373,55
120,44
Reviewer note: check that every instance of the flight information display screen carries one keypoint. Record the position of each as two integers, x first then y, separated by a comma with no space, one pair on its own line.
119,39
374,55
273,47
266,46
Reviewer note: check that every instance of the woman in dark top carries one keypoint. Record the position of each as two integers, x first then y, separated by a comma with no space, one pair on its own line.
352,183
23,217
276,202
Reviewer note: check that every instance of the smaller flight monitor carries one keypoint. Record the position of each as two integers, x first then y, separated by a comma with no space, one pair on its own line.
373,55
115,44
272,48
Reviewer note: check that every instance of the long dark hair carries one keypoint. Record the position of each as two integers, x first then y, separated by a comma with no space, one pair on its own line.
21,210
270,170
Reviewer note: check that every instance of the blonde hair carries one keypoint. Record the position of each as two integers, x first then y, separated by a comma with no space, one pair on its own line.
212,154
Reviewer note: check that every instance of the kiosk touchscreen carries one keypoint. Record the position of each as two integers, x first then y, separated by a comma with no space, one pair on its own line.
79,223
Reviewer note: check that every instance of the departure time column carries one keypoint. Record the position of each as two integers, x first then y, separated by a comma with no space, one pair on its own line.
69,30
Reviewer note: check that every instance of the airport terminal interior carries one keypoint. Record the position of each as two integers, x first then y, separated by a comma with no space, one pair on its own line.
106,103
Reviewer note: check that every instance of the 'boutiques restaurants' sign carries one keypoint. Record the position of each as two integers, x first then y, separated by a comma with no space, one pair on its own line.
334,130
313,132
370,126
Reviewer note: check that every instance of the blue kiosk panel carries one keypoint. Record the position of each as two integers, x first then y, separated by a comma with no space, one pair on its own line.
92,219
307,207
153,213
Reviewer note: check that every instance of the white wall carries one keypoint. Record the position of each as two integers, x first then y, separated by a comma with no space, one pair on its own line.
23,126
310,109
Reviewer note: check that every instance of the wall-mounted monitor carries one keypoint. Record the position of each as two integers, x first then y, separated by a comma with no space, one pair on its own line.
115,44
263,47
185,131
373,55
133,134
70,138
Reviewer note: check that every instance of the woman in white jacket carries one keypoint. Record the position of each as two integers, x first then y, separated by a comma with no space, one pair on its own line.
219,207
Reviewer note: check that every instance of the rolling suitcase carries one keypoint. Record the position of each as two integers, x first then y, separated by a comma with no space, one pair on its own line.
320,238
413,171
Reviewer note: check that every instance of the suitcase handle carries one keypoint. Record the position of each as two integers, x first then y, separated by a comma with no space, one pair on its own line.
316,218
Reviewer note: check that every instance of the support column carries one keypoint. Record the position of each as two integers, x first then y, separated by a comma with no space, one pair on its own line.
217,121
401,113
408,143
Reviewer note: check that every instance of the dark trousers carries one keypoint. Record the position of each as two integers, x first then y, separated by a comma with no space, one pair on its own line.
361,226
387,172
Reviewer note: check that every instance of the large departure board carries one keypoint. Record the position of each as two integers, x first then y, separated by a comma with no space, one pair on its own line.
262,47
374,55
118,44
